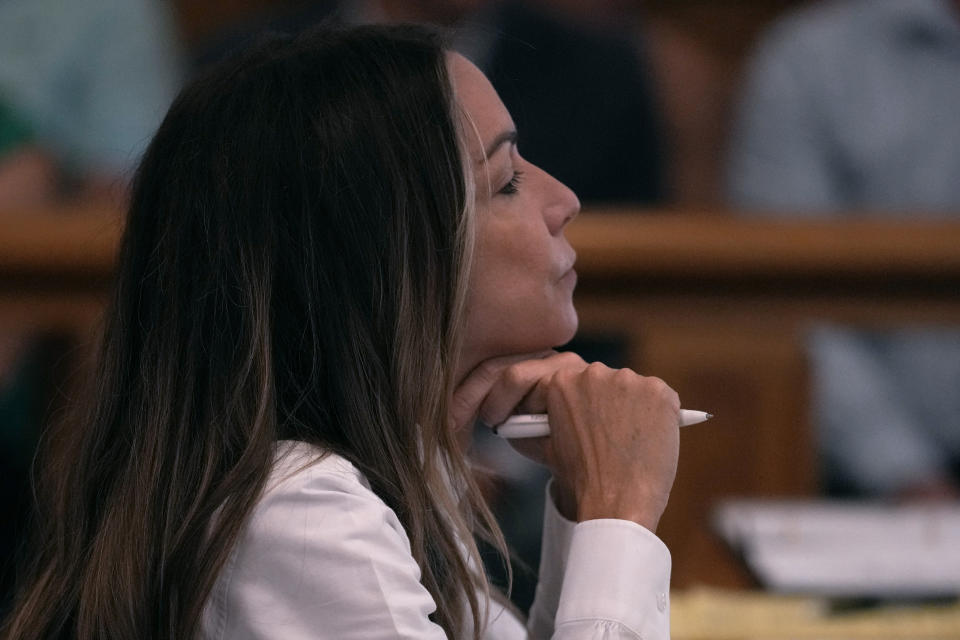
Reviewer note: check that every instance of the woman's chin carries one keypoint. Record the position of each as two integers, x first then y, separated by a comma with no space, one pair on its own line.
570,325
535,334
550,335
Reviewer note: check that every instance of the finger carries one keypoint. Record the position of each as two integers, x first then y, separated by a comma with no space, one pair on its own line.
476,385
524,383
659,391
536,400
512,386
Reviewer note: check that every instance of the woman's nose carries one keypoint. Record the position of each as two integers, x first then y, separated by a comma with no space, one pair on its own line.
561,206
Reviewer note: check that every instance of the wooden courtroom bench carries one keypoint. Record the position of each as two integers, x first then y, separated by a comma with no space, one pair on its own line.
715,305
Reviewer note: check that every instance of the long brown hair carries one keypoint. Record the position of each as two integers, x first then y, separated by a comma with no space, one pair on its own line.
293,267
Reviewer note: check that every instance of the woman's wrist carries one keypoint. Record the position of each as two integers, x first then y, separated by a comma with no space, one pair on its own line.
563,499
585,508
644,517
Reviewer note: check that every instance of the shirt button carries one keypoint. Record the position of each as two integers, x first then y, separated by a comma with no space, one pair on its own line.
662,602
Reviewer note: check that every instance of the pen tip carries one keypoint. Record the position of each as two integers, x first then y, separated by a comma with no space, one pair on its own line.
709,415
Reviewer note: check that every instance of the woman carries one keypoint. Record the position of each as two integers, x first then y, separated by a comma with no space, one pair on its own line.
335,261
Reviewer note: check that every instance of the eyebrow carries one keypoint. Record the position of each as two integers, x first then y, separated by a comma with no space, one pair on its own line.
507,136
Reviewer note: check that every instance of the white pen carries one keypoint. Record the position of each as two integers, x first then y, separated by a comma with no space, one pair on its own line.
535,425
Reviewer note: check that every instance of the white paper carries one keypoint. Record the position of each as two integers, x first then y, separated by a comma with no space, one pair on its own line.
847,549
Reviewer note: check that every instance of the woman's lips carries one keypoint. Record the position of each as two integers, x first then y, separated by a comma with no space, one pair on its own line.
570,276
568,270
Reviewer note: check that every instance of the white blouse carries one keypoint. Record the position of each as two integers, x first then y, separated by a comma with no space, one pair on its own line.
324,557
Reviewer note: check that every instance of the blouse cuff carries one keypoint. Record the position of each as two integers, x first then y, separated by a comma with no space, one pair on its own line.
607,569
617,570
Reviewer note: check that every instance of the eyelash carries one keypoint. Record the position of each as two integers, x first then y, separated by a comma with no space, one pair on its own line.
512,186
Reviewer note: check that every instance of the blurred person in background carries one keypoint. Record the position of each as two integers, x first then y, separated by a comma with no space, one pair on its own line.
91,79
851,108
27,173
83,86
582,95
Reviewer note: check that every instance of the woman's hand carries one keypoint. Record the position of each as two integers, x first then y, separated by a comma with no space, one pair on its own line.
614,438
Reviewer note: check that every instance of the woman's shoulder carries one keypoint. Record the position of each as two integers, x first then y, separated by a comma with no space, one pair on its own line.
296,463
306,478
318,543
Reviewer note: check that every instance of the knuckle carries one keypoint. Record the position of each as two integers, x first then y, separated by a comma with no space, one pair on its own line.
569,358
515,375
624,379
596,370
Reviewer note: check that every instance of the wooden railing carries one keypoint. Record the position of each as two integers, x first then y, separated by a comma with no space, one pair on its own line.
717,306
56,266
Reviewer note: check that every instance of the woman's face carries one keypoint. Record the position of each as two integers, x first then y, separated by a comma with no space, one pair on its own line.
520,298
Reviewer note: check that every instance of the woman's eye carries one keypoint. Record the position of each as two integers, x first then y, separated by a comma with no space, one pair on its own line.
512,186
